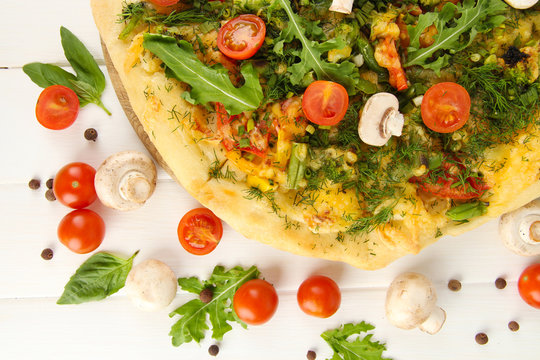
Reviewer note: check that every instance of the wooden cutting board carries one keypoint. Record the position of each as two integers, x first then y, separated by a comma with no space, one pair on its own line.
132,117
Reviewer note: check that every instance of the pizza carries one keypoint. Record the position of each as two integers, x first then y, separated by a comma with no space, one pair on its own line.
357,132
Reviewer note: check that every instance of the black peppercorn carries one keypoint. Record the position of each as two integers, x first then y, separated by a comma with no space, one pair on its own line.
34,184
90,134
454,285
49,195
513,325
213,350
47,254
500,283
49,183
481,338
206,295
311,355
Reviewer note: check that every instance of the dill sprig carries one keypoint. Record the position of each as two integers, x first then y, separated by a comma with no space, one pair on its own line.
254,193
369,223
216,171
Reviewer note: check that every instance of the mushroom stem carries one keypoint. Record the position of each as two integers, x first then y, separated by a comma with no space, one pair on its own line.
342,6
134,186
529,229
392,123
434,322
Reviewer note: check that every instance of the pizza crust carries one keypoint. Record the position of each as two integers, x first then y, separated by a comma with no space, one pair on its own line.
160,110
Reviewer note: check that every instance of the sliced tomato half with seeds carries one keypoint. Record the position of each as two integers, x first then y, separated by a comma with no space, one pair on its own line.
200,231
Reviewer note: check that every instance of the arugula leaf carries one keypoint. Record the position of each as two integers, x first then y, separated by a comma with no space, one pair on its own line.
101,275
358,349
311,53
89,82
208,84
466,211
193,322
452,23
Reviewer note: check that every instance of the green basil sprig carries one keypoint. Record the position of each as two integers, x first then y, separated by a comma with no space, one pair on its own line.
466,211
101,275
89,82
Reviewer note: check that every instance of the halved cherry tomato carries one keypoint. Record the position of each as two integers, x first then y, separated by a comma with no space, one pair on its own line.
164,2
200,231
445,107
81,231
241,37
529,285
255,302
57,107
73,185
449,185
325,102
319,296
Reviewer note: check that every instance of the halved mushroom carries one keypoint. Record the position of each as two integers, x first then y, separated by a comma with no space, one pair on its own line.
521,4
342,6
125,180
411,302
520,229
380,119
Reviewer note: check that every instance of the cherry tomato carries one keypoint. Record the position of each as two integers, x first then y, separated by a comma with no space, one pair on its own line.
57,107
255,302
73,185
319,296
529,285
444,183
164,2
325,102
200,231
241,37
445,107
81,231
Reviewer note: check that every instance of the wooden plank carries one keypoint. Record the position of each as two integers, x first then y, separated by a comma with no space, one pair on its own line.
31,222
114,328
31,31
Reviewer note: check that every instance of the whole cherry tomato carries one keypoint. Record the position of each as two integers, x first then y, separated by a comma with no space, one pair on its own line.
445,107
255,302
319,296
200,231
325,102
241,37
529,285
81,231
73,185
57,107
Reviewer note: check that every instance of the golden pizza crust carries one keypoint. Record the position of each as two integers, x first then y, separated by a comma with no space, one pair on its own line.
168,121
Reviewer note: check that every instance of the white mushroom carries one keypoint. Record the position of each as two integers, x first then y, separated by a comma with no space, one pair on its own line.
520,229
125,180
521,4
151,285
411,302
342,6
380,119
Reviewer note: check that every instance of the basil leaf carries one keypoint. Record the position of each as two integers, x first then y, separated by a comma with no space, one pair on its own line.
361,348
89,82
466,211
82,61
209,84
88,94
45,75
101,275
192,324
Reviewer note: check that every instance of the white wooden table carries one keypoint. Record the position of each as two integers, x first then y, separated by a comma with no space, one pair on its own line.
32,326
